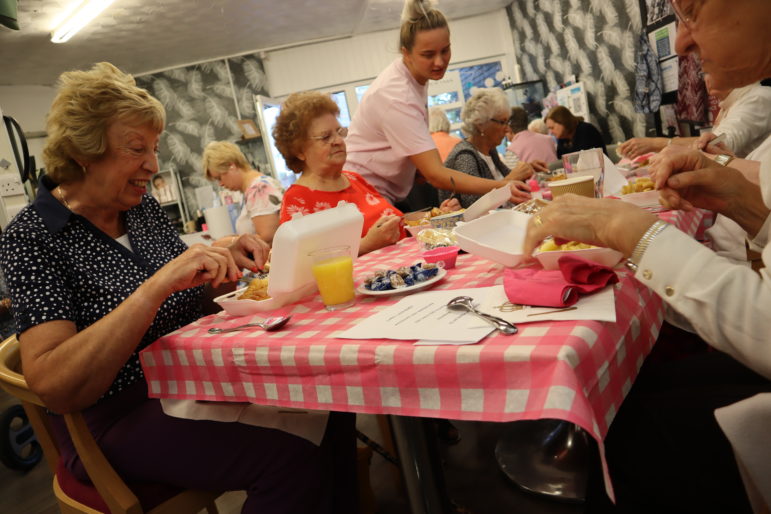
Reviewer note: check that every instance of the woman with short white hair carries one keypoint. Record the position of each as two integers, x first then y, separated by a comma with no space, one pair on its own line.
485,119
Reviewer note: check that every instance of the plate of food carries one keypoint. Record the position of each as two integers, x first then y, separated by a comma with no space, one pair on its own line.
549,253
418,276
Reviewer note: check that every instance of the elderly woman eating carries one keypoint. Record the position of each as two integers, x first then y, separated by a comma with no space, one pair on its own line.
96,273
666,451
485,123
312,143
223,162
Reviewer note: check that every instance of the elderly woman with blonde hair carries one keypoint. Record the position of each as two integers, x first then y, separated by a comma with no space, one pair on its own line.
439,127
485,120
96,273
223,162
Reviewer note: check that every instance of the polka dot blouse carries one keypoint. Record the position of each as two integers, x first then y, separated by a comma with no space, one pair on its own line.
59,266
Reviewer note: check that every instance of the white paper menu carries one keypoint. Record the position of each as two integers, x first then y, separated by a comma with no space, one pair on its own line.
424,316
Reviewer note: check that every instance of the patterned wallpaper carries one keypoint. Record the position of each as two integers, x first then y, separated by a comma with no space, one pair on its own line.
200,102
594,39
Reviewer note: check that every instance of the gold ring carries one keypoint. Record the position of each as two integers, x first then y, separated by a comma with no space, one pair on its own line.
537,221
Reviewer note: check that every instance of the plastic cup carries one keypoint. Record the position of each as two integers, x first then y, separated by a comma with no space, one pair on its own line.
447,255
333,270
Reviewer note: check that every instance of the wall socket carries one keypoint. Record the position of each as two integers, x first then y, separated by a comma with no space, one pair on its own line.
10,184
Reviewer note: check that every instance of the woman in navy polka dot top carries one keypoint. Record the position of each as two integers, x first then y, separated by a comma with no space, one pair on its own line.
96,272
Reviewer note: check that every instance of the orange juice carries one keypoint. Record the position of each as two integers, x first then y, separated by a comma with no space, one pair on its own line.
335,280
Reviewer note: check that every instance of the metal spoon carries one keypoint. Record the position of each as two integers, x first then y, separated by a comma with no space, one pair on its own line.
460,303
268,325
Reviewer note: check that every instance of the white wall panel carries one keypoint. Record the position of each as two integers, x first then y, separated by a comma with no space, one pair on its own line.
327,64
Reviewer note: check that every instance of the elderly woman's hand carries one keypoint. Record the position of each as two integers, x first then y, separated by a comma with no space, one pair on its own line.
384,232
450,205
602,222
676,159
519,191
704,144
540,166
198,265
249,251
522,171
638,146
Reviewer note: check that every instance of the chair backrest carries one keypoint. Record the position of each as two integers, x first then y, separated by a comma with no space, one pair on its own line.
110,486
12,381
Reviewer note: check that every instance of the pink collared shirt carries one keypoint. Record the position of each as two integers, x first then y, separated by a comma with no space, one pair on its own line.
390,125
529,146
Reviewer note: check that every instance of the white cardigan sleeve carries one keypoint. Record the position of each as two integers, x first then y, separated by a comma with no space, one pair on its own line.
728,304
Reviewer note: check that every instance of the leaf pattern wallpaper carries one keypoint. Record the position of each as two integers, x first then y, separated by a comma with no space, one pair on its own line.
203,103
594,39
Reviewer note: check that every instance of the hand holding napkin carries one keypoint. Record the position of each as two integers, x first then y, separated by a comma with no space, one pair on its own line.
557,288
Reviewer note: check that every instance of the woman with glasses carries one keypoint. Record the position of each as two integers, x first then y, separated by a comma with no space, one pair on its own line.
223,162
666,449
485,118
389,136
572,132
312,143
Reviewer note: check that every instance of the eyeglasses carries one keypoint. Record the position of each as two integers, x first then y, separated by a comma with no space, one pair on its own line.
688,15
328,137
500,122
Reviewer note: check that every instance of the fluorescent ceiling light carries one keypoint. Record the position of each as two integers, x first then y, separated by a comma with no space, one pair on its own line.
79,16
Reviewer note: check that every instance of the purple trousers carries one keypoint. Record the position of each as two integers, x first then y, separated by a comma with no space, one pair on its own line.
281,473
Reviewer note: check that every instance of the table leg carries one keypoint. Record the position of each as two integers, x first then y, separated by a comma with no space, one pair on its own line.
421,465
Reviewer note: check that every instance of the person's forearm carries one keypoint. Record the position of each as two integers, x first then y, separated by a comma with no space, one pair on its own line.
750,169
751,212
74,373
464,183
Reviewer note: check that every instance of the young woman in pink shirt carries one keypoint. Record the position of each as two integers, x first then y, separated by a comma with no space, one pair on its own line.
388,138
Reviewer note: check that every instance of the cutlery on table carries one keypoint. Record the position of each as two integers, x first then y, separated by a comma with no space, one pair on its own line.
460,303
267,325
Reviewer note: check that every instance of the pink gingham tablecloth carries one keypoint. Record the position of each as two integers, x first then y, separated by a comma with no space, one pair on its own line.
578,371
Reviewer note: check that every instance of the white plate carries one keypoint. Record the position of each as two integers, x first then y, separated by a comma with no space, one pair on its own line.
499,236
645,199
404,290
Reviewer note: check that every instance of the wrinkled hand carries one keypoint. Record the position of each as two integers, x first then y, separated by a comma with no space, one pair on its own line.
703,144
638,146
248,250
602,222
519,191
522,171
676,159
450,205
714,188
197,265
384,232
540,166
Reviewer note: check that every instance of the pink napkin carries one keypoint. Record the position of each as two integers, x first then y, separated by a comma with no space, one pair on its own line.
557,288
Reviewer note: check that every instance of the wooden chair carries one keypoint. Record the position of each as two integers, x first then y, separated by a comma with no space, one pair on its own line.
109,493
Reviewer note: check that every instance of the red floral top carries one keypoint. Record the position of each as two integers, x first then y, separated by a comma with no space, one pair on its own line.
304,200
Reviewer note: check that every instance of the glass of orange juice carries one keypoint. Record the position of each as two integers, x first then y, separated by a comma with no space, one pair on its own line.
333,270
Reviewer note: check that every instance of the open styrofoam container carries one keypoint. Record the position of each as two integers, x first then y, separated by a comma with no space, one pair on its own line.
487,202
290,265
499,236
605,256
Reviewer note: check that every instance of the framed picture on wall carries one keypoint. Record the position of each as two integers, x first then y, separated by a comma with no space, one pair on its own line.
248,128
163,189
528,95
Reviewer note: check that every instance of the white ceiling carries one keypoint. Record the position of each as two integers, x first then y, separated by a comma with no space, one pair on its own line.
145,35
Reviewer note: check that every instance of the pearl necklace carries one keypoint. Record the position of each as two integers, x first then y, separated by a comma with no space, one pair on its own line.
63,199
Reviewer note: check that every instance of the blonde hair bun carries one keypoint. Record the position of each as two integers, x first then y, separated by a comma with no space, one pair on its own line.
416,9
